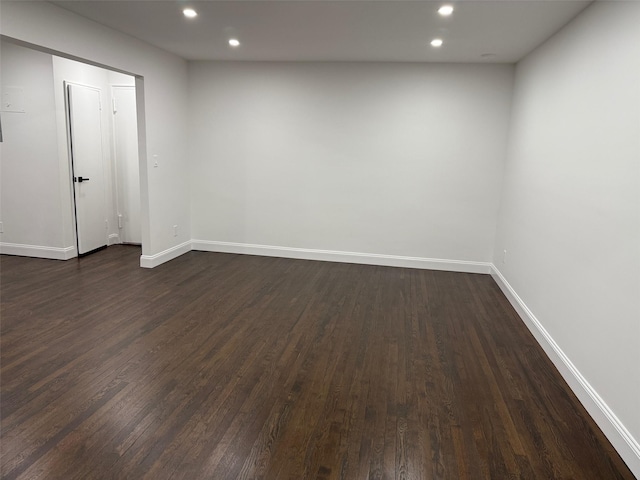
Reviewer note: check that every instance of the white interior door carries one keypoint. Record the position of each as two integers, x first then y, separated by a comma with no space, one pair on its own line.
87,162
125,131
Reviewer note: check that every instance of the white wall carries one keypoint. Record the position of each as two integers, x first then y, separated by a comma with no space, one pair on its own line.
570,210
31,199
391,159
163,104
125,155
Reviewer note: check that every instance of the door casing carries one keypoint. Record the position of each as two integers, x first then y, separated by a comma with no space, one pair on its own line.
84,115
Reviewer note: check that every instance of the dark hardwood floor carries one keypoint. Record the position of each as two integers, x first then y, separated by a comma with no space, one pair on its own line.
217,366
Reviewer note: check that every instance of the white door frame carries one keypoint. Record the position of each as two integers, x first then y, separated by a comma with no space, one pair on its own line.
71,163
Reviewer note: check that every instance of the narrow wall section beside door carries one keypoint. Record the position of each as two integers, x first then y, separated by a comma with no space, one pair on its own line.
125,136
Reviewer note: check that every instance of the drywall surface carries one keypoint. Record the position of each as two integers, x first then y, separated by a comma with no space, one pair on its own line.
127,165
31,204
392,159
116,78
162,97
570,210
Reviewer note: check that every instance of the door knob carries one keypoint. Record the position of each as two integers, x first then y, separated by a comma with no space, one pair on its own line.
80,179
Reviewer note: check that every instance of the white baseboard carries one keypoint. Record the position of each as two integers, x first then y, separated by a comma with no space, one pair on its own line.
38,251
621,439
113,239
152,261
344,257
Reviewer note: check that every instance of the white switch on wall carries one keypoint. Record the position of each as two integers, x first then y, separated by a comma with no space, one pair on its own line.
13,99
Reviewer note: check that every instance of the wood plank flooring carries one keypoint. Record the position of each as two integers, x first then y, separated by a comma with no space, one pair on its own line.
217,366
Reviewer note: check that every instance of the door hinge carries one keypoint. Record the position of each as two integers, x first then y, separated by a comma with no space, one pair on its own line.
115,109
106,224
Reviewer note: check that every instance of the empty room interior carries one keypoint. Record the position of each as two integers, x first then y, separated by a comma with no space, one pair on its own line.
305,239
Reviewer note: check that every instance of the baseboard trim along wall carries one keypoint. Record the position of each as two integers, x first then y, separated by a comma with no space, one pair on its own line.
151,261
114,239
344,257
622,440
38,251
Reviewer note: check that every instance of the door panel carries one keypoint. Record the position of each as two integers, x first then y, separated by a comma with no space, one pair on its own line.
87,161
125,132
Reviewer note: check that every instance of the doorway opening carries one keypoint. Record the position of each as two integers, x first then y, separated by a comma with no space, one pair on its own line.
71,180
101,120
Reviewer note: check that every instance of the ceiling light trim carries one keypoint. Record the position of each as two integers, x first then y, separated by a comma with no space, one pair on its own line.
445,10
189,13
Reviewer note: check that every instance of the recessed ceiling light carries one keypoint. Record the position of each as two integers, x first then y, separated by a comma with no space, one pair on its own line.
234,42
488,55
189,12
445,10
436,42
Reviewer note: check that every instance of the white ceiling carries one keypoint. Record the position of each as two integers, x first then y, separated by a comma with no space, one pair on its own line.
337,30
